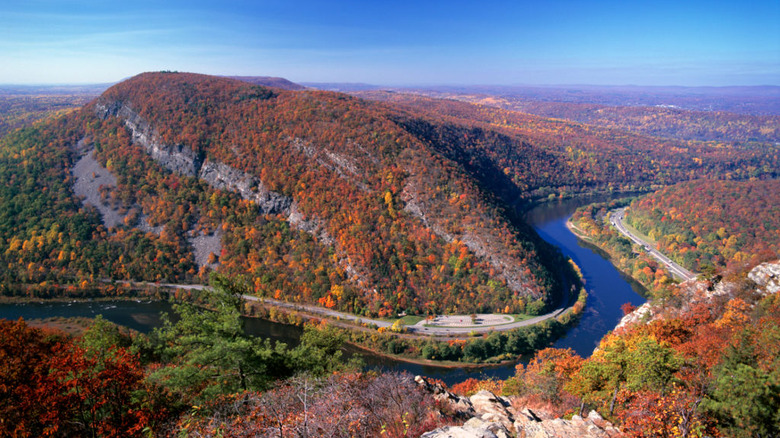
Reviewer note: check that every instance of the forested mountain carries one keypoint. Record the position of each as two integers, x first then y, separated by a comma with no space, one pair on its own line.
270,81
543,156
406,204
318,197
713,224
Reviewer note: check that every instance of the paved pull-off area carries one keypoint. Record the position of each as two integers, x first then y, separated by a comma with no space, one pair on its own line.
678,271
442,325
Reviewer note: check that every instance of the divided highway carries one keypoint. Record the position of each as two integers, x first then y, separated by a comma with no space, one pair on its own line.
678,271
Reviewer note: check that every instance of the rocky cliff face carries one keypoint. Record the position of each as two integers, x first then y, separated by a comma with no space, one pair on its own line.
184,160
224,177
339,146
176,158
767,277
490,416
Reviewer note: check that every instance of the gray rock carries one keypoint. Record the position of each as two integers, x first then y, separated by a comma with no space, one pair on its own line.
184,160
468,431
767,277
528,425
221,176
176,158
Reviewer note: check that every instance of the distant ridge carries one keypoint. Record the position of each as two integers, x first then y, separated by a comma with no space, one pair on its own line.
270,81
343,87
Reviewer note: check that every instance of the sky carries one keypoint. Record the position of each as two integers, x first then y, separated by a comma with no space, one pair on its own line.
403,42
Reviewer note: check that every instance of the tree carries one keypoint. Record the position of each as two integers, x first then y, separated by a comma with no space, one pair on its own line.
320,351
549,373
54,386
746,397
207,351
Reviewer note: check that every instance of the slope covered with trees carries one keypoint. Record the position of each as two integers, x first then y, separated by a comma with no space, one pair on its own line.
550,156
318,197
713,224
369,219
704,365
199,375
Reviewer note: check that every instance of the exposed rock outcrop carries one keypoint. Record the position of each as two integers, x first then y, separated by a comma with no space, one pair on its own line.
224,177
767,277
184,160
528,425
176,158
461,406
492,416
89,177
492,408
474,428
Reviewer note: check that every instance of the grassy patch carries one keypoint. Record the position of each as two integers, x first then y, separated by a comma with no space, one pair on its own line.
522,317
639,234
411,319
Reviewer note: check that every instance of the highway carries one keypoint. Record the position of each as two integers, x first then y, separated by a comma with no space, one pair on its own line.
617,217
418,328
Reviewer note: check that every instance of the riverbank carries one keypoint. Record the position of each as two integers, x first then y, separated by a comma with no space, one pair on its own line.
473,350
607,291
591,225
479,349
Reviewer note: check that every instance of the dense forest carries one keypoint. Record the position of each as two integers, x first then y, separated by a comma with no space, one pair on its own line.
408,204
348,174
552,157
701,357
318,197
707,224
704,370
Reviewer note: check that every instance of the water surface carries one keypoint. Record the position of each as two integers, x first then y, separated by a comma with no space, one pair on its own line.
607,289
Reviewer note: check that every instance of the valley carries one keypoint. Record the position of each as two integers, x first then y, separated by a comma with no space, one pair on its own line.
403,224
307,219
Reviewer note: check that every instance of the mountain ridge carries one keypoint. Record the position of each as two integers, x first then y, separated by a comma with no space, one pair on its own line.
190,160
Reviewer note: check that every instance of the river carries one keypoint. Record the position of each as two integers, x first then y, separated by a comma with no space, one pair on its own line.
608,289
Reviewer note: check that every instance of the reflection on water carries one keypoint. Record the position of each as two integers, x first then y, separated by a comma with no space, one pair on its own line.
607,289
138,315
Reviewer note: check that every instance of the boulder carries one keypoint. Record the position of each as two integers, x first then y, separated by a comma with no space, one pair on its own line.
767,277
490,407
528,425
474,428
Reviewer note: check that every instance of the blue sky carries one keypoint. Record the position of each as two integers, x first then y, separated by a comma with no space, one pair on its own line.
396,43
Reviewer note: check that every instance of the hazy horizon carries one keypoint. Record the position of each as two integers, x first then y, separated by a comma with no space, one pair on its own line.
405,86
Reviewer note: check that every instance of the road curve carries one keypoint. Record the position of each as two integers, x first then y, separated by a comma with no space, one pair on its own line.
678,271
415,329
